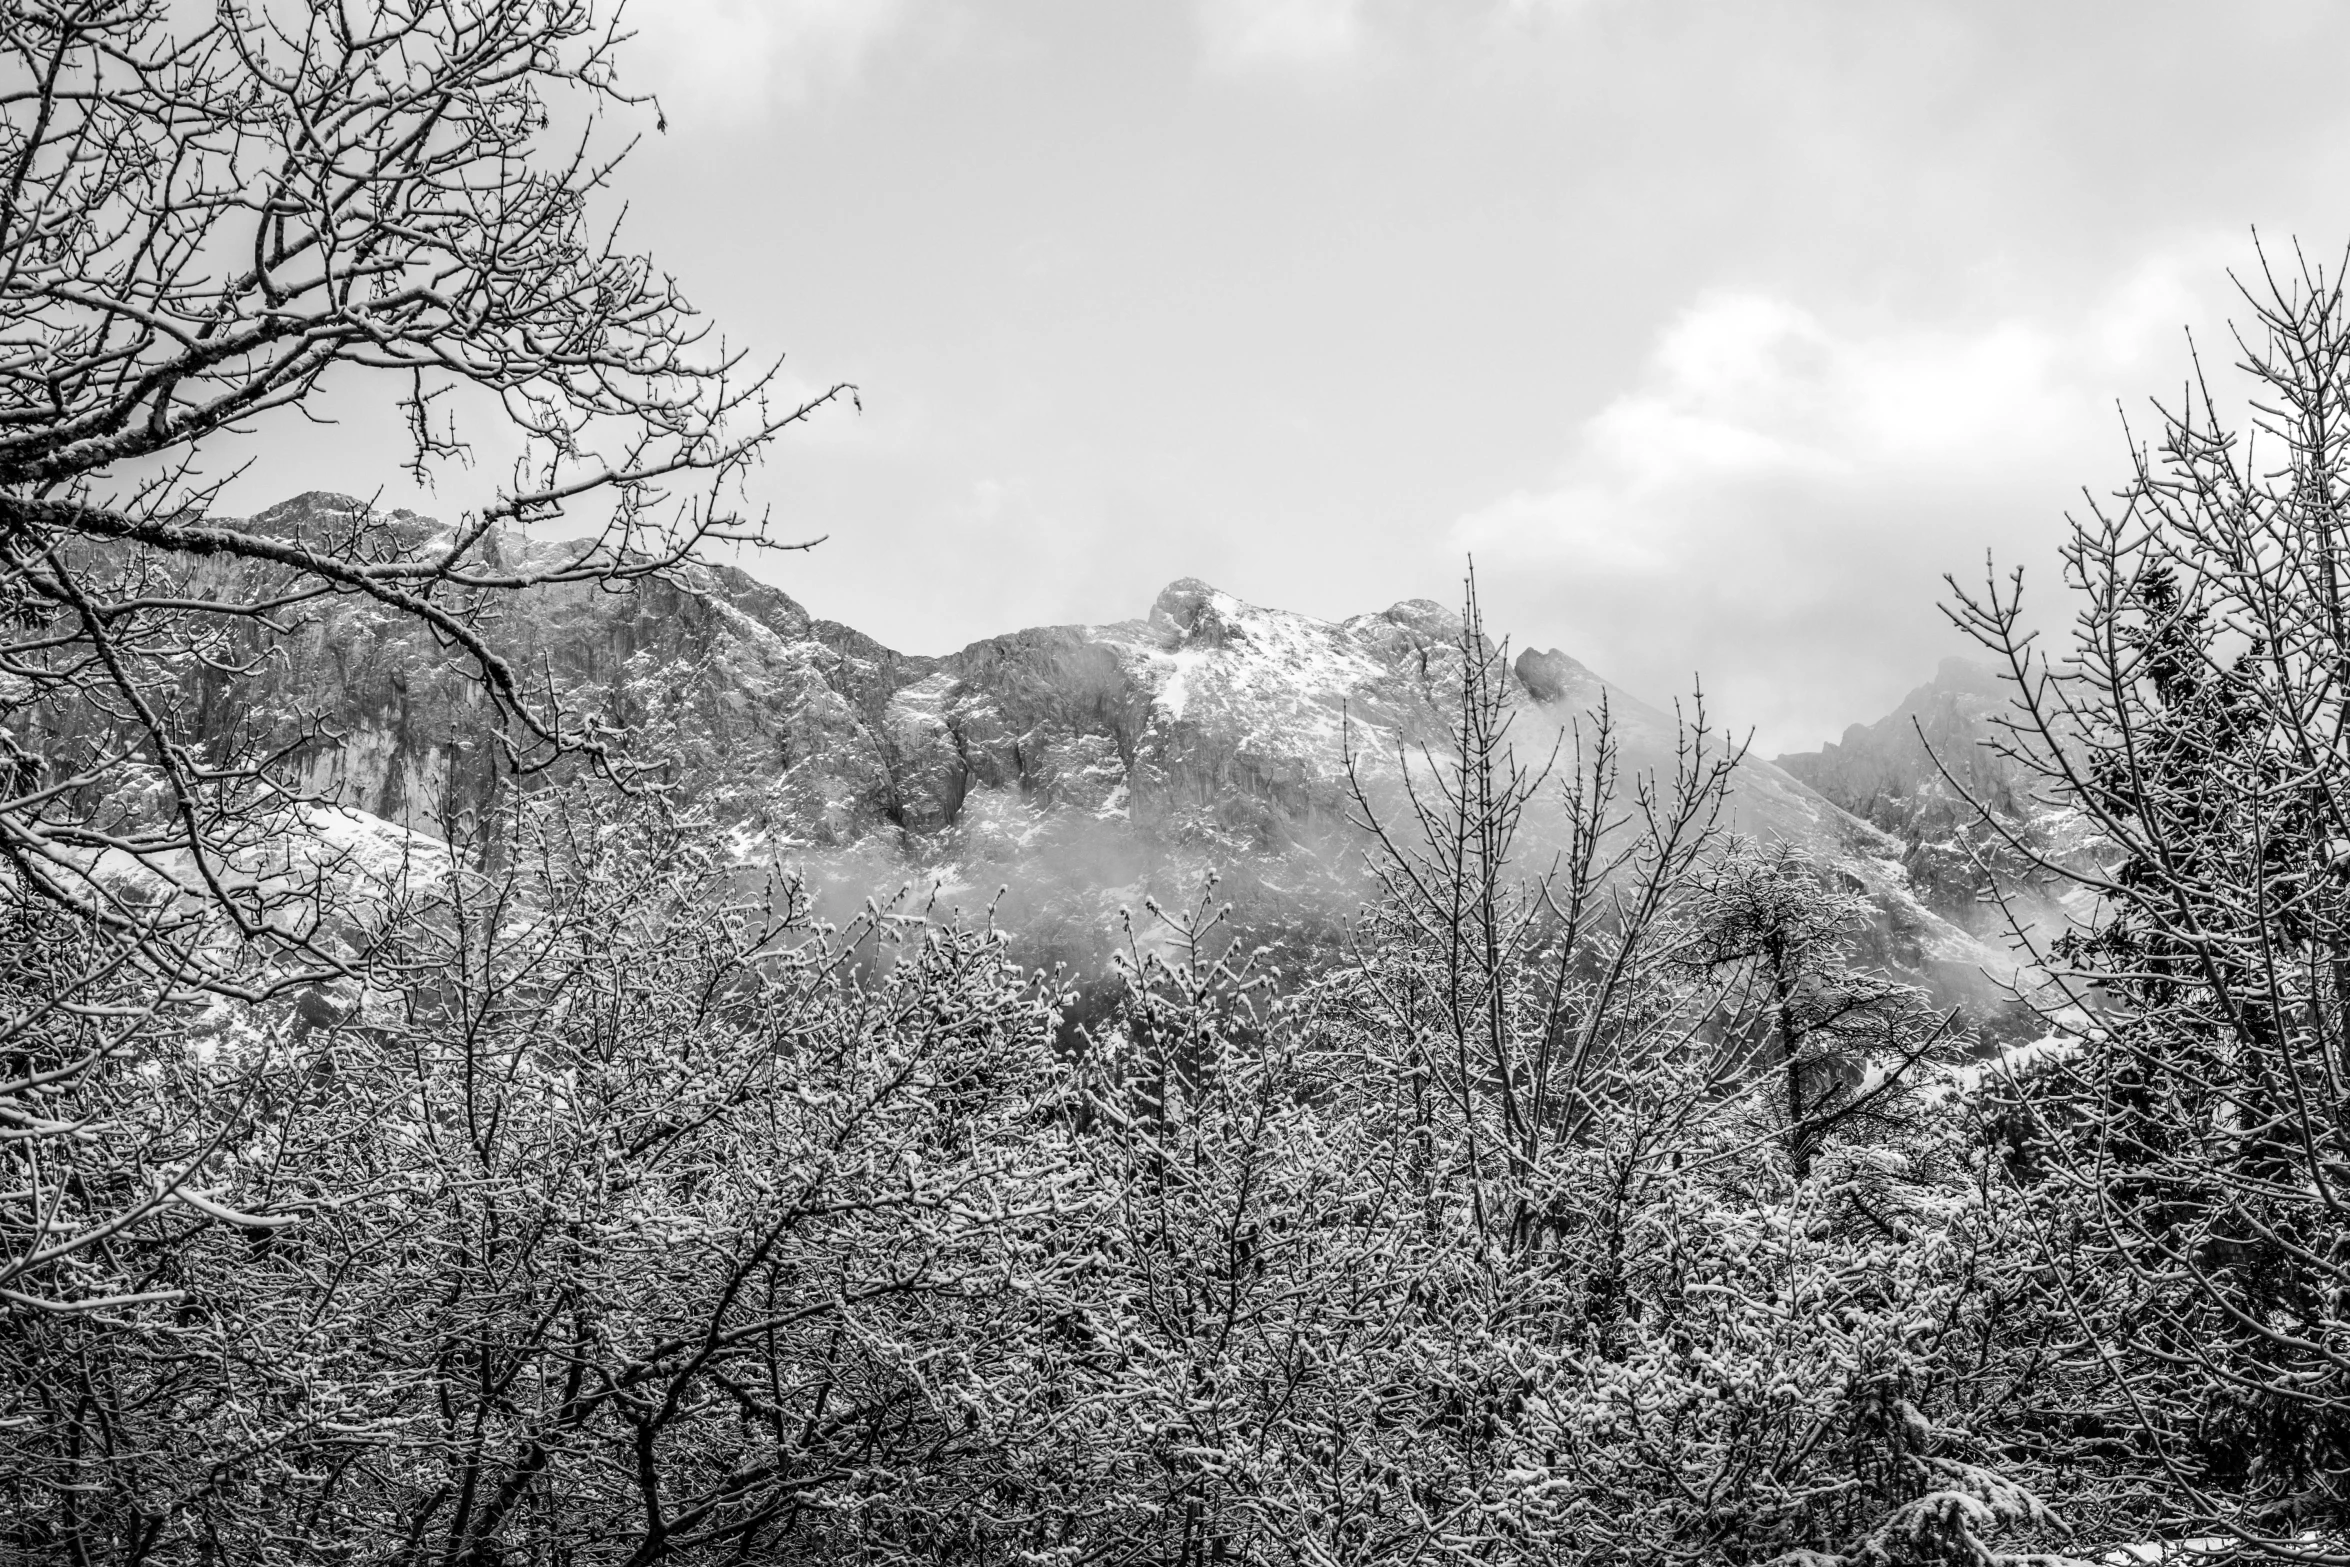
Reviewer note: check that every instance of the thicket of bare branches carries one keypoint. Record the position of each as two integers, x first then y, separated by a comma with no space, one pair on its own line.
625,1218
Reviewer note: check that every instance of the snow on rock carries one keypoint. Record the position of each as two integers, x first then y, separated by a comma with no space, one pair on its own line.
378,855
2176,1553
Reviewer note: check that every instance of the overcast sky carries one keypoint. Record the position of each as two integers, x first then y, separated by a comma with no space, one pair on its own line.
1716,332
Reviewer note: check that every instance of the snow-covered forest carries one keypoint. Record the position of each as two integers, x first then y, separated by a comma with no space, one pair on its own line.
555,1182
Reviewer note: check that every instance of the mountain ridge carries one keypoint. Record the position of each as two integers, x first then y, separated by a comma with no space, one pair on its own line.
1088,767
1928,774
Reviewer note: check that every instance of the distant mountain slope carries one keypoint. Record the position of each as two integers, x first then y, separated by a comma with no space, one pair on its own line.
1921,772
1083,767
1879,771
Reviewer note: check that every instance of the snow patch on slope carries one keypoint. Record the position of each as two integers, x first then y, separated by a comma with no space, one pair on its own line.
1269,682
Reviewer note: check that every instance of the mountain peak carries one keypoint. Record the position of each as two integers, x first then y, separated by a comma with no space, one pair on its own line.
1180,602
329,512
316,503
1192,613
1551,676
1966,674
330,504
1426,617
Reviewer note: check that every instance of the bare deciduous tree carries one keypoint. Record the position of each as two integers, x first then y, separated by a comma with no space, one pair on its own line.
201,222
2196,718
1514,989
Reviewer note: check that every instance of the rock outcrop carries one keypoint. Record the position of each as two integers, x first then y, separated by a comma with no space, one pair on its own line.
1926,774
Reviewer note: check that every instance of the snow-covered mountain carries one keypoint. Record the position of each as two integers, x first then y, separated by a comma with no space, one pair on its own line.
1082,767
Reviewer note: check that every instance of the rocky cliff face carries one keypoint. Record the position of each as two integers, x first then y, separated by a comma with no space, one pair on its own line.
1925,774
1881,771
1085,767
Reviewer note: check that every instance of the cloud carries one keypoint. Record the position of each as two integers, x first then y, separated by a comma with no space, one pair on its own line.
1323,37
1775,498
1241,35
1746,390
734,58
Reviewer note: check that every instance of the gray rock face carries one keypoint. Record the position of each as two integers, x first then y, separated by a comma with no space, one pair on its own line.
1925,774
1086,766
1945,727
1553,678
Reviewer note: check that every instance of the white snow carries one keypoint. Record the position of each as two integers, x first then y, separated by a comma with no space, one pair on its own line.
1283,682
2052,1046
1175,695
2204,1548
